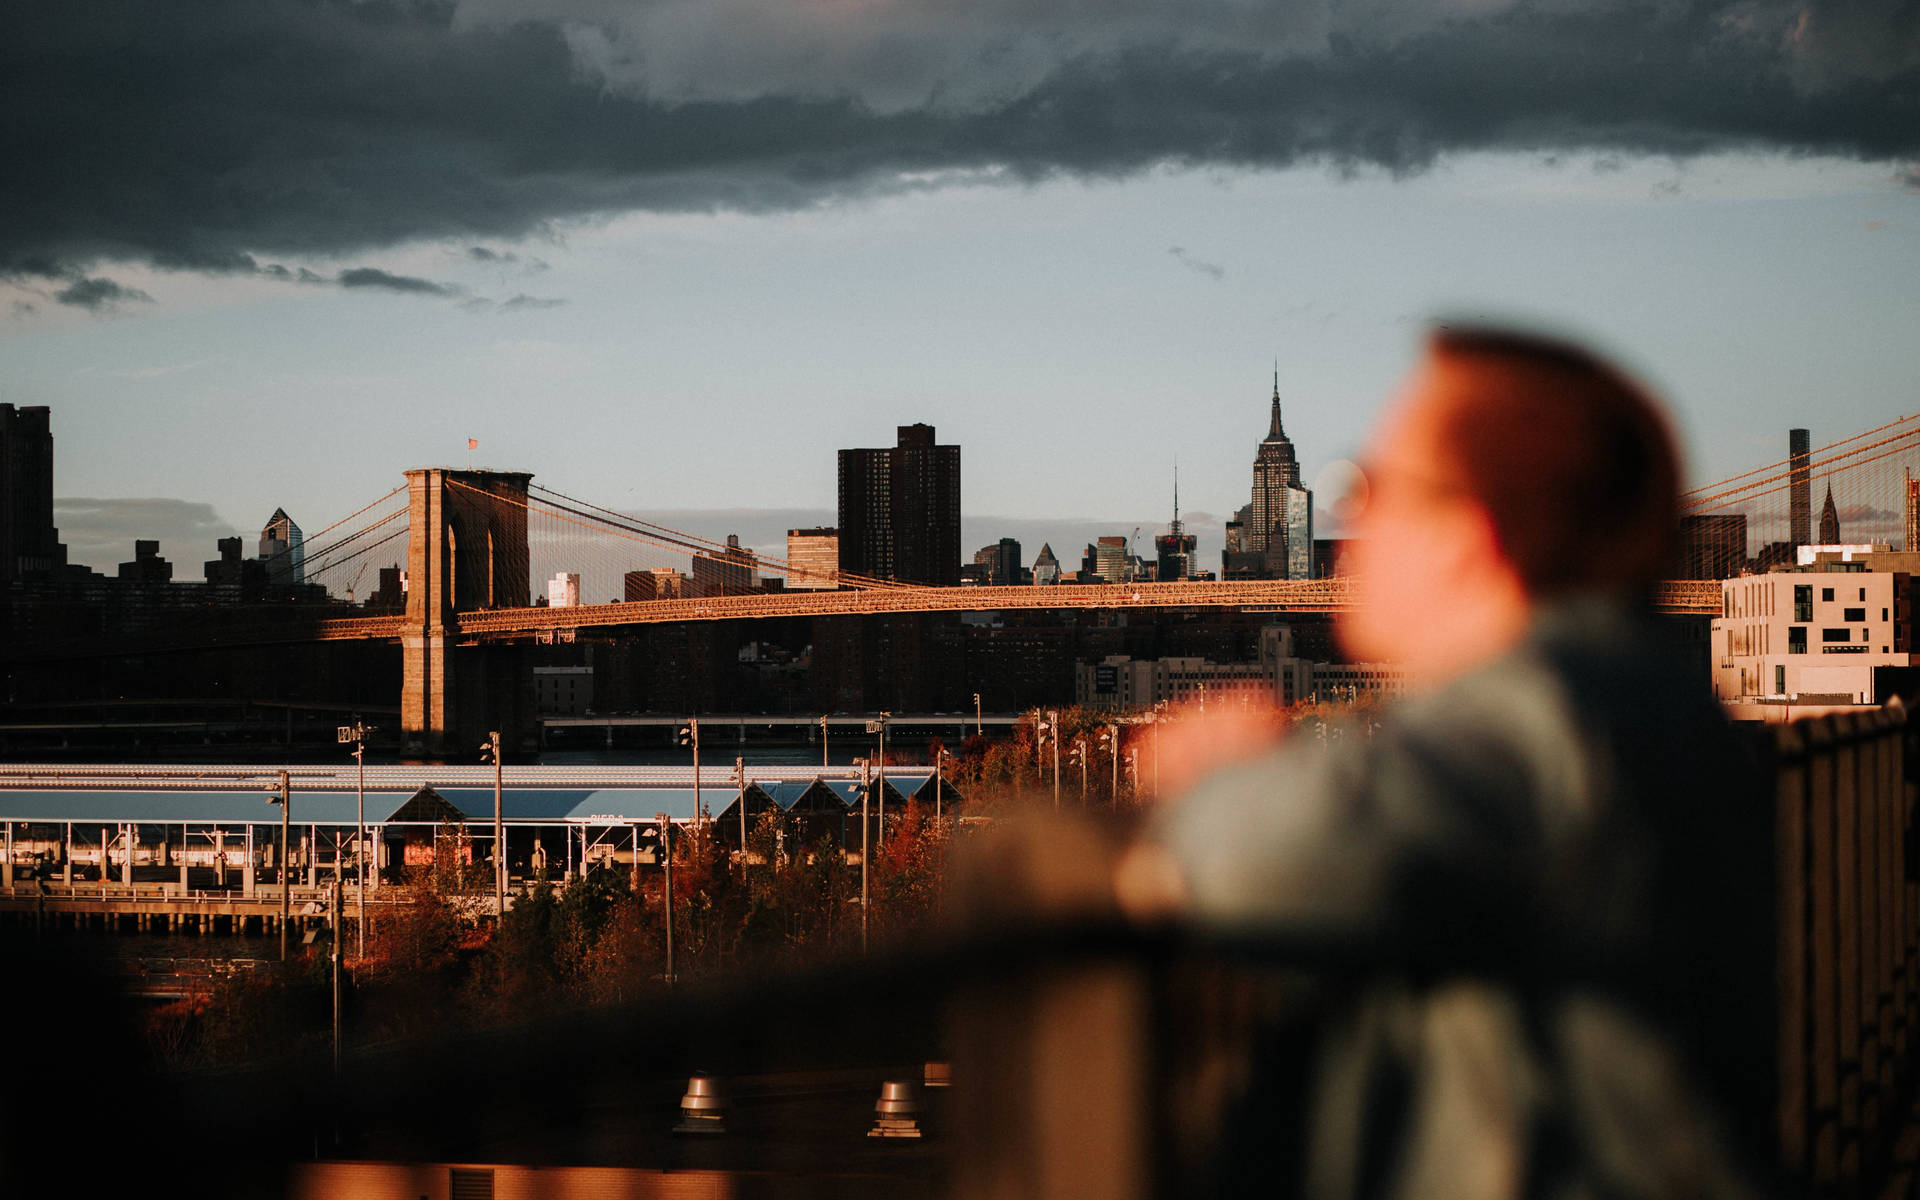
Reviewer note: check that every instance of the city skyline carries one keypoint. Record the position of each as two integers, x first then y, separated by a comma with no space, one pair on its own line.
999,242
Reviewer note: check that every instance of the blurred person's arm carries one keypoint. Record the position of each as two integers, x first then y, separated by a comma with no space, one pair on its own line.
1424,828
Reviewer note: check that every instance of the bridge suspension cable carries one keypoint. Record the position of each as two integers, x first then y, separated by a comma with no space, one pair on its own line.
693,541
1721,494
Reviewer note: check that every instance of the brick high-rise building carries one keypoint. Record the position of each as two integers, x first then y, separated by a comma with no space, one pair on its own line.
1913,514
1800,489
900,510
729,572
29,544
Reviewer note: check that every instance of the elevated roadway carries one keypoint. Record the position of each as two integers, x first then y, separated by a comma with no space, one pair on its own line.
1699,597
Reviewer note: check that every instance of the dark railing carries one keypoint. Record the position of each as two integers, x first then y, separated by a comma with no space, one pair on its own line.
1088,1058
1849,929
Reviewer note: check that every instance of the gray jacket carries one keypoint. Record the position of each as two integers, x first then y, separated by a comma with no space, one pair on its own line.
1560,861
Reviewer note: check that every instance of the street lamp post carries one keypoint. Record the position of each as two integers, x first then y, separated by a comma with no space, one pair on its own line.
824,760
1053,732
690,736
880,727
979,725
357,733
1039,744
490,749
666,890
865,790
334,912
285,802
939,779
1159,715
740,782
1079,755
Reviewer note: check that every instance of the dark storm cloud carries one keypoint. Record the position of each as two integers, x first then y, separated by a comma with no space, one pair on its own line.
373,277
198,135
100,533
98,293
1202,266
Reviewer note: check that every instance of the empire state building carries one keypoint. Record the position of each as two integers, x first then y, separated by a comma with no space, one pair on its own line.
1280,523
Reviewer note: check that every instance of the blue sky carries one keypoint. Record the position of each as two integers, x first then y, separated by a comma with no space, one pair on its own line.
1076,329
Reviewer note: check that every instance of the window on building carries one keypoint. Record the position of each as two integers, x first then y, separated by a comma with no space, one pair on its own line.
1796,639
1854,614
1826,593
1836,635
1863,593
1803,602
1779,680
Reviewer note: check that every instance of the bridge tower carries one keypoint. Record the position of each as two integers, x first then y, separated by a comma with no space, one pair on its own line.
467,550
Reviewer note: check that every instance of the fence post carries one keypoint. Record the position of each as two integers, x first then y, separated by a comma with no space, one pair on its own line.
1823,957
1791,900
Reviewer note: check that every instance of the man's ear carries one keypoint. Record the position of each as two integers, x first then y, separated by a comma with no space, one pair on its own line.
1466,545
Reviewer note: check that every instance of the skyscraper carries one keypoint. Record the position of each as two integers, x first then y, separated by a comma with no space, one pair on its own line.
1800,491
1002,561
281,549
900,510
813,559
1829,521
1046,568
730,572
1173,550
1280,528
29,544
1913,514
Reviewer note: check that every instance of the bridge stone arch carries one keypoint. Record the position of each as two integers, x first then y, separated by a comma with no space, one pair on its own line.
467,551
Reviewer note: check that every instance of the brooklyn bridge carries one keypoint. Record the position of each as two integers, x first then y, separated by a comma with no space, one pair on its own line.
474,540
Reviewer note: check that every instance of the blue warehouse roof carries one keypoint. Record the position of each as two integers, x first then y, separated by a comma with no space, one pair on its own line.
238,806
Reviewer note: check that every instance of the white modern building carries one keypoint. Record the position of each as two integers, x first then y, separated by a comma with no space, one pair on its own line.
563,590
1809,637
813,559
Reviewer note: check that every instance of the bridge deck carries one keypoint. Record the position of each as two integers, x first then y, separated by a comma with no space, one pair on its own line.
1264,595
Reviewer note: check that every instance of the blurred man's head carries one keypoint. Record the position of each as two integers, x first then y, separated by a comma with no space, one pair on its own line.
1510,470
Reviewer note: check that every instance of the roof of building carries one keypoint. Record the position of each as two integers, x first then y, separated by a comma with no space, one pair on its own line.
260,805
